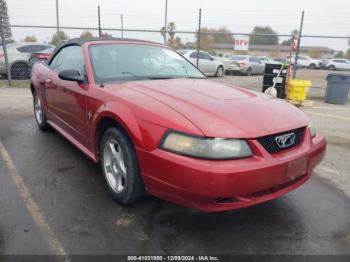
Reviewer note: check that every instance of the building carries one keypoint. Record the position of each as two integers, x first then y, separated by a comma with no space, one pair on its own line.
270,50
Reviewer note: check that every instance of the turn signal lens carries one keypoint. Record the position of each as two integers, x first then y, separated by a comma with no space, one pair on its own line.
312,129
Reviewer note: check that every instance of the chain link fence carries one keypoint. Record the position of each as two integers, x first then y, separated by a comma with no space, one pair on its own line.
17,61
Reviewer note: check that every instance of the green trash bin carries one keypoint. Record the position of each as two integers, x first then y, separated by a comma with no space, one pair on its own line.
337,88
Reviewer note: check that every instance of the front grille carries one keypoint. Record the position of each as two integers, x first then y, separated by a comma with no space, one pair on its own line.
271,146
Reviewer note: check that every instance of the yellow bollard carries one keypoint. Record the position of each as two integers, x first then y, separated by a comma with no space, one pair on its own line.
297,89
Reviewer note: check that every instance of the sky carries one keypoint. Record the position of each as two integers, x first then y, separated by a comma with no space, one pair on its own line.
322,17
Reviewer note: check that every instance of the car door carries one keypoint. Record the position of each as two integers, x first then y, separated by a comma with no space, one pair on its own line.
193,60
347,65
209,63
66,100
255,65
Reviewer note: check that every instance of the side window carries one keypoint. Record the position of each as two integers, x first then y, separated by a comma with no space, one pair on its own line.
25,49
54,61
253,59
31,48
203,55
193,55
70,57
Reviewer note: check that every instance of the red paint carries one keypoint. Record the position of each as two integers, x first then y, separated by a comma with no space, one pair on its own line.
147,109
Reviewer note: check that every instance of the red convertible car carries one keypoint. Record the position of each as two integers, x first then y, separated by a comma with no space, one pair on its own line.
157,125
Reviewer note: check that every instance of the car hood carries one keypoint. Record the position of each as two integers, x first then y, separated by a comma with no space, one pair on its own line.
222,110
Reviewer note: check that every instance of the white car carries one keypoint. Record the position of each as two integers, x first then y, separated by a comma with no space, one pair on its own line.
245,64
307,62
338,64
207,63
18,58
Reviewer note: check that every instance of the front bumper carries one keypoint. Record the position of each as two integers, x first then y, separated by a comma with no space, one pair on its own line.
231,184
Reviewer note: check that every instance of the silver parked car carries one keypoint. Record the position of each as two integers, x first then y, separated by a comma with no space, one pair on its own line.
245,64
338,64
207,63
18,56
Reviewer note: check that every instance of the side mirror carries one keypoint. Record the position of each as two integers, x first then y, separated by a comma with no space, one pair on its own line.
211,59
71,75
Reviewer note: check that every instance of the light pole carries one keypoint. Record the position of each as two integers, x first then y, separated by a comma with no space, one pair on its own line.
57,22
165,20
122,25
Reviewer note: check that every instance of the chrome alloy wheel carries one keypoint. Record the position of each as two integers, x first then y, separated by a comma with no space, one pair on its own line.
220,72
114,165
38,110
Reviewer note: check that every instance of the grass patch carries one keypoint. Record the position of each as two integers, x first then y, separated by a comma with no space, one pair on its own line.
15,83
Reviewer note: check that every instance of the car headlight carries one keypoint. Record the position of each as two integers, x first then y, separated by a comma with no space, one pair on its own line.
312,129
210,148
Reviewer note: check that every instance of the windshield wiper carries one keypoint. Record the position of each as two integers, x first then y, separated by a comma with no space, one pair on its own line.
137,76
150,77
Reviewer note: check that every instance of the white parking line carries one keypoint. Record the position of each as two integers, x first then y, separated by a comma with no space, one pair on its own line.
327,115
16,96
331,108
32,207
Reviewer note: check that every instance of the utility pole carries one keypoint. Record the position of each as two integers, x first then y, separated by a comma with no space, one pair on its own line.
165,21
122,25
298,46
57,22
99,21
199,34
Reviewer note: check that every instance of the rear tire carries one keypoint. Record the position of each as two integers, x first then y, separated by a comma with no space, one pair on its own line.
312,66
332,67
249,71
120,167
20,71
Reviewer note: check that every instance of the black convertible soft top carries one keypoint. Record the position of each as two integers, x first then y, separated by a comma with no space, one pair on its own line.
80,41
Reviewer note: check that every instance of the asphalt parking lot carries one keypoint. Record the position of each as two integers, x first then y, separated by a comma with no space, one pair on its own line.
53,199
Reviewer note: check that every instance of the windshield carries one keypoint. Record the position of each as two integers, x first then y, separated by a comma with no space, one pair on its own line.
126,62
238,57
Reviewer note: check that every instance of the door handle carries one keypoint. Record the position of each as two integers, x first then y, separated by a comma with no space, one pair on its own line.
48,81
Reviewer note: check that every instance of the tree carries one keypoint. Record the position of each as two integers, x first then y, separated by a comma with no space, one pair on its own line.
225,38
62,37
294,33
339,54
86,34
206,40
106,35
315,52
261,39
347,55
171,27
30,38
175,43
5,22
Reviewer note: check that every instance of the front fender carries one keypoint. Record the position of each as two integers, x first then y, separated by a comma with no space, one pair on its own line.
122,115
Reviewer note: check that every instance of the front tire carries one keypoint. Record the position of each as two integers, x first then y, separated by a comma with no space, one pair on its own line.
120,167
39,113
219,72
